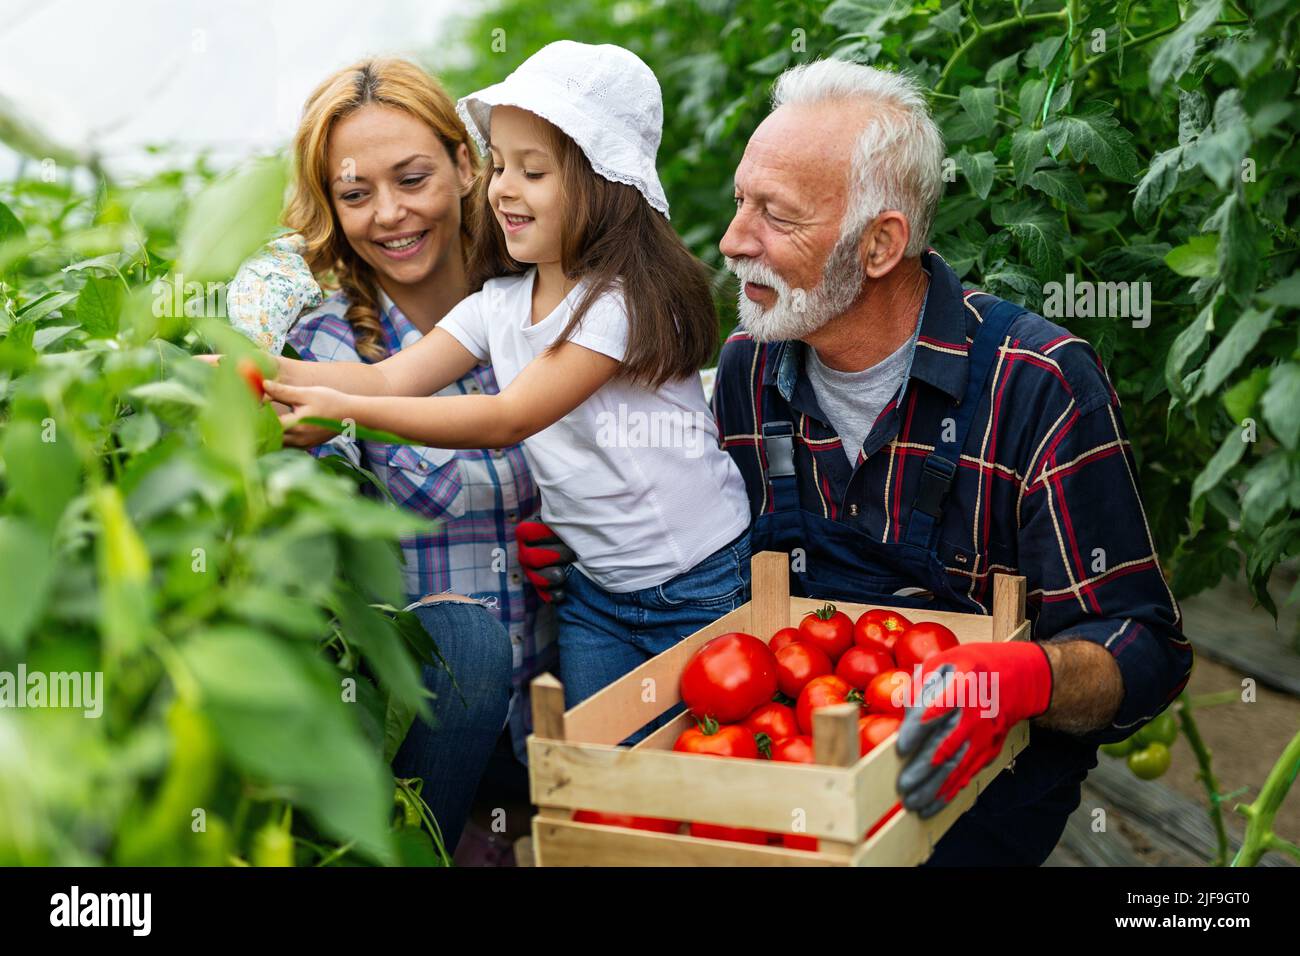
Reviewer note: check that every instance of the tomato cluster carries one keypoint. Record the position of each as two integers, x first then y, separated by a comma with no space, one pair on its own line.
1147,751
752,699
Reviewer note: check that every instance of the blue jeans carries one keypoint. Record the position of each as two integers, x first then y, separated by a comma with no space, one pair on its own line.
451,756
604,634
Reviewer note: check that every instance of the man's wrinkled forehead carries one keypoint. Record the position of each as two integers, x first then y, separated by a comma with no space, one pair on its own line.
799,154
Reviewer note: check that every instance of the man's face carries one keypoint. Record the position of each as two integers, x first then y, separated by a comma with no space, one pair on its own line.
784,242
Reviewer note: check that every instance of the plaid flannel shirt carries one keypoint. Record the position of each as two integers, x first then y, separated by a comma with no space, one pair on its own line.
1046,487
478,495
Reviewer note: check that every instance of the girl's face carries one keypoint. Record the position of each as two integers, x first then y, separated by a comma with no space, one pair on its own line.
524,192
396,192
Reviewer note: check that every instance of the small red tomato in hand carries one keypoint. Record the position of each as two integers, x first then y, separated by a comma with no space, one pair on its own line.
879,626
860,664
653,824
712,831
888,693
730,740
775,720
822,692
797,664
922,641
828,629
251,374
783,637
797,749
728,677
875,729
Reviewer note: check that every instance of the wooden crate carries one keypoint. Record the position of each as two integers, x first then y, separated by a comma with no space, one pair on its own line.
575,761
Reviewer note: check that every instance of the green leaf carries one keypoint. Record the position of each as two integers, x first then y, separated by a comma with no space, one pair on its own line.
167,392
1061,184
978,170
1237,259
1175,53
771,64
374,565
1195,258
27,572
1221,151
1156,186
1187,344
1242,54
980,105
42,469
949,20
1281,405
1192,115
1094,135
46,305
1229,453
11,227
1264,491
1285,293
1232,351
1241,398
376,637
230,219
359,431
1027,148
99,306
1004,69
1039,232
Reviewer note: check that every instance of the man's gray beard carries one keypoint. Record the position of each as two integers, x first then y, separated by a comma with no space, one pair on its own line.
842,282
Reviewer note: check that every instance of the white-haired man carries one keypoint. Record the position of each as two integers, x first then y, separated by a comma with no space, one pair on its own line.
905,434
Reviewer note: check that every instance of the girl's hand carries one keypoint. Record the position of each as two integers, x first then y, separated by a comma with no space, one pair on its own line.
306,402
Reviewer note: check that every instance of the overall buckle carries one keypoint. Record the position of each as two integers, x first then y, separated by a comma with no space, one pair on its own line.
936,478
778,445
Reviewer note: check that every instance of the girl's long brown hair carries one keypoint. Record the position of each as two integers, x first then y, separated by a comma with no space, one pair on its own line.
611,237
390,82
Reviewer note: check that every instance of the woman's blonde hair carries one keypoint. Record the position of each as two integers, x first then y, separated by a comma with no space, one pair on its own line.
390,82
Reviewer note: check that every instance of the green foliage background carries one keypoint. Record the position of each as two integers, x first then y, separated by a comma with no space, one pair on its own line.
152,528
1118,141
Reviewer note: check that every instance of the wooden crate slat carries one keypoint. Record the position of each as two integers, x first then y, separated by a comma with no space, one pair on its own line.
567,843
757,794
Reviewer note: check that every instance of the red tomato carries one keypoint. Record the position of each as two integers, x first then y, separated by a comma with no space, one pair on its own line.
251,374
796,841
887,688
730,740
860,664
783,637
711,831
797,749
828,629
797,664
728,677
922,641
777,721
875,729
654,824
885,819
822,692
879,626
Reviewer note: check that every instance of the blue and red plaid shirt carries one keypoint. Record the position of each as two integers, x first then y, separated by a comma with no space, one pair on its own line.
477,495
1046,487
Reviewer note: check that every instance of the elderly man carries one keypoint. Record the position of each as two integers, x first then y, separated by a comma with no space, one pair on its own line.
900,433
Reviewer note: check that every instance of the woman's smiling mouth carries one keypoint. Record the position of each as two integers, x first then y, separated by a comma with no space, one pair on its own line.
403,246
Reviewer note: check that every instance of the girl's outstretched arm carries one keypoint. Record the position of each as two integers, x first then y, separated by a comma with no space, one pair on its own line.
428,366
551,386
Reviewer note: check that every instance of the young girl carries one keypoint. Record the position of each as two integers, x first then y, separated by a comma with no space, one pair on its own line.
596,320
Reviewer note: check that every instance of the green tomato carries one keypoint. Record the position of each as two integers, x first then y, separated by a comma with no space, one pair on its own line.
1149,762
1162,730
1121,748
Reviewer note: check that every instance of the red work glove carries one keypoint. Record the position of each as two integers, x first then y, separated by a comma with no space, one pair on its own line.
543,556
946,736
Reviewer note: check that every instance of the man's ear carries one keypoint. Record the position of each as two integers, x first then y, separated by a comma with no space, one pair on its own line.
884,243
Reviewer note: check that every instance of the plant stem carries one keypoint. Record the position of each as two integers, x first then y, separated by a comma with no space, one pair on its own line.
1205,774
990,28
1260,814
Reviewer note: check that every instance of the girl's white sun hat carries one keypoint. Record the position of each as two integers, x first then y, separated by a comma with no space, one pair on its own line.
603,97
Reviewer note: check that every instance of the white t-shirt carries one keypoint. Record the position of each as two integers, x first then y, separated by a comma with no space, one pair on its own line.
633,480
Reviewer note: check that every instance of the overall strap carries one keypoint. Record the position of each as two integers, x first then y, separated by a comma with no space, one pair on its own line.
940,466
778,447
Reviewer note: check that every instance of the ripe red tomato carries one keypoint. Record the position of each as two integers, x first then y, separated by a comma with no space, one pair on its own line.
728,677
920,642
783,637
728,740
822,692
712,831
875,729
879,626
887,688
653,824
775,720
828,629
251,374
797,664
797,749
860,664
